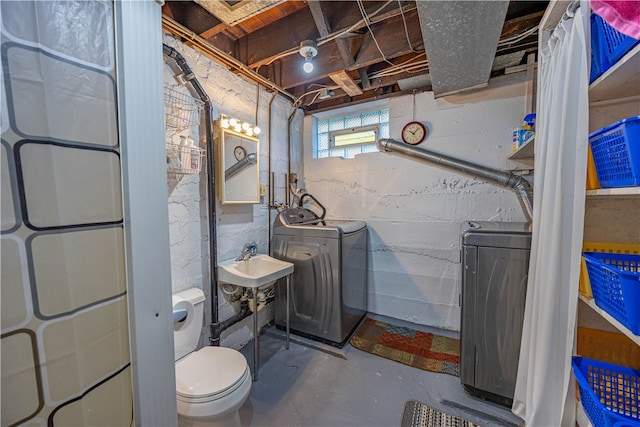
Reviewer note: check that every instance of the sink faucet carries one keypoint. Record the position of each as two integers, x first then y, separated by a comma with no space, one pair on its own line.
249,250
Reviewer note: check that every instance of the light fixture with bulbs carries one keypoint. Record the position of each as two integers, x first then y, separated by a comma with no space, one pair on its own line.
308,50
239,126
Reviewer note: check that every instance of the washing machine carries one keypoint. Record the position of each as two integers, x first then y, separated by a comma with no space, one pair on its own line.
329,282
495,267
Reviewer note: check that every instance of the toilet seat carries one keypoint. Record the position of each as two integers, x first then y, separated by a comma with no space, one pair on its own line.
209,374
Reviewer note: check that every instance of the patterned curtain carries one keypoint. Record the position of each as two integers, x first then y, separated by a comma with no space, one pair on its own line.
65,342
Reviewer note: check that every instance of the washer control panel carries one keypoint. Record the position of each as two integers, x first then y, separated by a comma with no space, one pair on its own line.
299,216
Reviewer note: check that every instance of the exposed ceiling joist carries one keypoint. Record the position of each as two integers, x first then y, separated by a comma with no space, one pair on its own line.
375,45
346,83
324,29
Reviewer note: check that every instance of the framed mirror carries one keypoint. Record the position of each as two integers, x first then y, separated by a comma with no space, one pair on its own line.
238,162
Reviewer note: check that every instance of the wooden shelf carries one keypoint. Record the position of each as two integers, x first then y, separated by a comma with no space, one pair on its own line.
621,191
619,81
591,303
525,151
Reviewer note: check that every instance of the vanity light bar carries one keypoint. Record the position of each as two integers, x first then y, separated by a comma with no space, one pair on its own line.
239,126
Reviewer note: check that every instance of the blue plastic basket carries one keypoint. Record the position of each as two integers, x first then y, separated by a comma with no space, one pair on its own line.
609,45
615,284
616,153
597,60
609,393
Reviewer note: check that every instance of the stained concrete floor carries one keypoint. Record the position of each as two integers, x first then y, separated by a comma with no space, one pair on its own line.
307,386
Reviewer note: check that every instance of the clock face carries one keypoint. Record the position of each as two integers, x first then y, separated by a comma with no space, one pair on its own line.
239,153
414,133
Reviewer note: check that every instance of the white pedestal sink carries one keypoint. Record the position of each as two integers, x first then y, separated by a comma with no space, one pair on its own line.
259,270
255,272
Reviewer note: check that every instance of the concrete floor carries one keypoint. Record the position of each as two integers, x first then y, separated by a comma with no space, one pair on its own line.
306,386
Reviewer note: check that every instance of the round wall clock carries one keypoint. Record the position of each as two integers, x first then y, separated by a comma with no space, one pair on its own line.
414,133
239,153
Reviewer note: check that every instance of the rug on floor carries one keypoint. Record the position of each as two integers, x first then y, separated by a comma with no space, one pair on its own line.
414,348
418,414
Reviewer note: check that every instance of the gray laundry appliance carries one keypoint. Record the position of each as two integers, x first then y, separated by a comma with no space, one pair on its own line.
329,281
495,262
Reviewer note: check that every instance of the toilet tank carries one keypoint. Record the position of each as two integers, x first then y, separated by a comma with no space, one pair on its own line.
186,333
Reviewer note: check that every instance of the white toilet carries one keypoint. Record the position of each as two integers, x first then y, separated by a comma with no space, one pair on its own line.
211,383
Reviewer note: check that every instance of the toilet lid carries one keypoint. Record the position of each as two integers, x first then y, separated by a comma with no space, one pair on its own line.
209,371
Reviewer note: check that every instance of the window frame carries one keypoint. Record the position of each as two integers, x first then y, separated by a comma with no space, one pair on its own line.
329,149
365,128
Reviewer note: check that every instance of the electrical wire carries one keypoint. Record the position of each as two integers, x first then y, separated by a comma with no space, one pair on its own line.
298,100
328,37
406,31
402,67
314,99
363,12
518,37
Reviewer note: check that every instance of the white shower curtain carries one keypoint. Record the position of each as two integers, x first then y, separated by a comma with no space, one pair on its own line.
545,395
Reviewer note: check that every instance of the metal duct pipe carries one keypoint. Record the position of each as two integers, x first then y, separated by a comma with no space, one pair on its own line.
239,166
194,86
495,176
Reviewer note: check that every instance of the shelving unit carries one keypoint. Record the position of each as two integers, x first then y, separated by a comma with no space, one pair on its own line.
622,191
525,152
592,304
608,96
181,114
619,81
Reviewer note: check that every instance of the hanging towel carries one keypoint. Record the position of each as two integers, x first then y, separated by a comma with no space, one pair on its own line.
623,15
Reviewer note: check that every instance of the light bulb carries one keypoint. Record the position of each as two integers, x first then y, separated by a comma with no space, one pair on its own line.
249,132
237,127
256,130
246,126
225,123
308,66
233,122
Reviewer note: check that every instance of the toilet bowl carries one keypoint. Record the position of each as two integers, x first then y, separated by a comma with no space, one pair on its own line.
211,383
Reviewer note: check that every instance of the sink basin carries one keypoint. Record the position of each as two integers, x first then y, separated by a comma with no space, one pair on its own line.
259,270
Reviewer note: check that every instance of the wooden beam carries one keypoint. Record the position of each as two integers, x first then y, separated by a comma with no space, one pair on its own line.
213,31
285,35
268,43
391,38
342,79
364,79
324,29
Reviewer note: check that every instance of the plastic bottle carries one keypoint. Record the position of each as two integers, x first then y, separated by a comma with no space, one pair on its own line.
194,155
184,153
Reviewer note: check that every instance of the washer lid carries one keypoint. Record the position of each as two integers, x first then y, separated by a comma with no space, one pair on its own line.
209,371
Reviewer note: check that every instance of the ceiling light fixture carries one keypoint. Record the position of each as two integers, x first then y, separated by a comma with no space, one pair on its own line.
308,50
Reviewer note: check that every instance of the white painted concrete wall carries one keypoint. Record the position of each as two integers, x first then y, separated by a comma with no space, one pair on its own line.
413,210
236,224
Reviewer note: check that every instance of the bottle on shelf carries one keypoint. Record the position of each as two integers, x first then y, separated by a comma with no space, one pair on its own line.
185,152
194,155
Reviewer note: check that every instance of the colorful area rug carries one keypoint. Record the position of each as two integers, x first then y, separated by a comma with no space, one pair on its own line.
418,414
414,348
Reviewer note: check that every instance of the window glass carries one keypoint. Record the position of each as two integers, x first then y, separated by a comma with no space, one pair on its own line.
326,129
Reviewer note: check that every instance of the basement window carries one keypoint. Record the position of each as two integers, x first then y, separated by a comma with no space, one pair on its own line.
349,135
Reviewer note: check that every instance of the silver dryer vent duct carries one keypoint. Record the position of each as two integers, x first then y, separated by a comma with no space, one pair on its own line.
517,183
